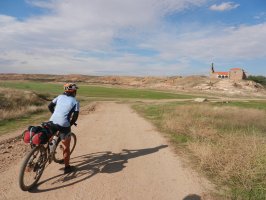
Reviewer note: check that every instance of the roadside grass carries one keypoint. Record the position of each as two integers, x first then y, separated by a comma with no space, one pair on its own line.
16,103
227,143
245,104
18,108
52,89
14,124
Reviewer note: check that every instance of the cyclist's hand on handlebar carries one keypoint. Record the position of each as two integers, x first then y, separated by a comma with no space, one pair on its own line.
75,124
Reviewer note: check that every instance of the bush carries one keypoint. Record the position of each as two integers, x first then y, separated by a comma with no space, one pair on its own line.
258,79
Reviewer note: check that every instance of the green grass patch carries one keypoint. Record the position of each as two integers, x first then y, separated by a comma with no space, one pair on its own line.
94,91
38,87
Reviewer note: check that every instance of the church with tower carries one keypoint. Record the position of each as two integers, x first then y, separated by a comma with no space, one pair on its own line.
232,74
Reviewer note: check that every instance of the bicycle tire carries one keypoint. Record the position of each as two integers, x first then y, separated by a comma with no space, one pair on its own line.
43,152
60,160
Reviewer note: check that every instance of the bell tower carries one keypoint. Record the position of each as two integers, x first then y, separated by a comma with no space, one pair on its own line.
212,68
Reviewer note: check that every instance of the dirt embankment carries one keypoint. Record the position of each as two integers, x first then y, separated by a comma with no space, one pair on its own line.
119,155
11,150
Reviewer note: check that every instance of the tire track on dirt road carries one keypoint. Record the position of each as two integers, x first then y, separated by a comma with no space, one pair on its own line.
119,155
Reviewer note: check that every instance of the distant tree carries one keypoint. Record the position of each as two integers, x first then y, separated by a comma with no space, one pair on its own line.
258,79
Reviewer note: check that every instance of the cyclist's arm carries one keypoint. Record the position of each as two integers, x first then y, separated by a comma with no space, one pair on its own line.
74,117
51,107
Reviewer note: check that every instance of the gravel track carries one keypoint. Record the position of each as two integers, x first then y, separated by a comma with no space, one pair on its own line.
119,155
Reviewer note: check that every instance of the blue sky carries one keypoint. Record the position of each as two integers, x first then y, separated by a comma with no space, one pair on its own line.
138,38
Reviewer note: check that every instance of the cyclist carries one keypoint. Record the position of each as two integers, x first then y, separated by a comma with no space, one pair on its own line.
65,112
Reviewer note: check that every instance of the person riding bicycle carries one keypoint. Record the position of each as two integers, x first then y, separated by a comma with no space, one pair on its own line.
65,112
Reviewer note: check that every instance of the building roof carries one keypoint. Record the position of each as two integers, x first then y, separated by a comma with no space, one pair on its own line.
222,73
236,69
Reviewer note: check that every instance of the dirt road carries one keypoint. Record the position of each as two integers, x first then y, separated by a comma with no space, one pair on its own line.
119,156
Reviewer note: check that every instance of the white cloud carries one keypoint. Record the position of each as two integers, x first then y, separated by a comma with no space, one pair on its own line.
224,6
53,40
208,43
93,24
88,37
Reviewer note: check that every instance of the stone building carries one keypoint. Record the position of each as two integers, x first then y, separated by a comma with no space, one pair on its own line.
233,74
237,74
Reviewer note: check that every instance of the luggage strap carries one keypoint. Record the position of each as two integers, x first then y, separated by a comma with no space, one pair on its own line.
31,135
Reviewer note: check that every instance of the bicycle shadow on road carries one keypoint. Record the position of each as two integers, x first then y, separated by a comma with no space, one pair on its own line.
89,165
193,197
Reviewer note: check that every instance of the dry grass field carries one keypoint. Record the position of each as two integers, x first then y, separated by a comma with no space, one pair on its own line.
228,144
17,103
20,108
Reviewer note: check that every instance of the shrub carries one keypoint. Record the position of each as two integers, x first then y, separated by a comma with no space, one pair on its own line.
258,79
17,103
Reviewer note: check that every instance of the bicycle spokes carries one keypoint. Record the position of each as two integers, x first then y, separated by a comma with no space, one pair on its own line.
32,167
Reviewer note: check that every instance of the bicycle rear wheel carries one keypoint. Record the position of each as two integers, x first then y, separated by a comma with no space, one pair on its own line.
32,167
58,154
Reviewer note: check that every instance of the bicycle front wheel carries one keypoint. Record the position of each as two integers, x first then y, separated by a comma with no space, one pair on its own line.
58,154
32,168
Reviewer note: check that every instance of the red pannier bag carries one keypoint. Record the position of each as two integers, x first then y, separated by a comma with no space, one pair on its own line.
37,135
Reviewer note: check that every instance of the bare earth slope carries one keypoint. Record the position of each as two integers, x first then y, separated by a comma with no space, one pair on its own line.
119,156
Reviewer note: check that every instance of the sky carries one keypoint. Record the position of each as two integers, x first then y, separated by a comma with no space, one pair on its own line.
132,37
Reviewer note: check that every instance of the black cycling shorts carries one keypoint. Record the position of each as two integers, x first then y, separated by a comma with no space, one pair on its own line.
64,132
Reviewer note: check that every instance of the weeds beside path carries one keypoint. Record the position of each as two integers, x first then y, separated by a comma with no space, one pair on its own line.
227,143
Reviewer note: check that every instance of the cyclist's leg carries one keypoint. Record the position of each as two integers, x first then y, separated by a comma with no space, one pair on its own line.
66,151
65,138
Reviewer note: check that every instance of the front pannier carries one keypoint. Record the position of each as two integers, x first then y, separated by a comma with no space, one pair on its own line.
37,135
